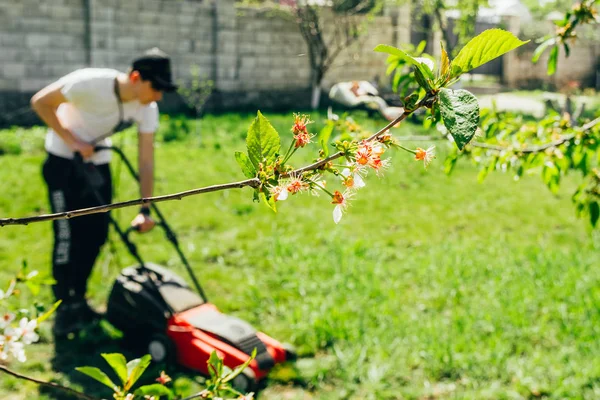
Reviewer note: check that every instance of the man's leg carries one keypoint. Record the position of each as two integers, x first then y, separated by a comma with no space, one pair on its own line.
91,231
58,174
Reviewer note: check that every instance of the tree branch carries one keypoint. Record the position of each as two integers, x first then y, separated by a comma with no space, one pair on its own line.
254,182
542,147
53,385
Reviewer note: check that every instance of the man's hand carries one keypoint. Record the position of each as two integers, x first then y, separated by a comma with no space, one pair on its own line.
85,149
143,223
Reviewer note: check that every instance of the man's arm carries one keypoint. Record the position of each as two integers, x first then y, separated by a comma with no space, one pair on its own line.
146,163
45,103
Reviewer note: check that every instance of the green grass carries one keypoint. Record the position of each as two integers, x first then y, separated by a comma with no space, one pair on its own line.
431,287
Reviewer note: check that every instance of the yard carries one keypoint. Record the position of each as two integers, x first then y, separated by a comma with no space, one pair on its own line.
431,287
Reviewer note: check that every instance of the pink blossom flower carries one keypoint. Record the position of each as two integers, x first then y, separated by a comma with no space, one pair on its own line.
295,184
10,346
426,156
352,180
379,165
279,193
163,379
27,329
302,139
6,319
300,122
341,202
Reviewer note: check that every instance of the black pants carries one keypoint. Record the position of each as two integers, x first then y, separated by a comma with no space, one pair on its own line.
77,241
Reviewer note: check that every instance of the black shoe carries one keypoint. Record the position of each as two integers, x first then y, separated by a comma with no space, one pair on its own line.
73,317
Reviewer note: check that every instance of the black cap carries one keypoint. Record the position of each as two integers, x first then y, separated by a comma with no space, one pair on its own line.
155,66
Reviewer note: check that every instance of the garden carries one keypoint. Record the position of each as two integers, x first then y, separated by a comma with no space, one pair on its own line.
431,286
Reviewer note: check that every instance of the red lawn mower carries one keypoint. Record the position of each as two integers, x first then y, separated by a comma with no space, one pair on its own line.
177,323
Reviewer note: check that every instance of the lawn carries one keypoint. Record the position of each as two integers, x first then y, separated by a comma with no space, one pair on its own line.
431,287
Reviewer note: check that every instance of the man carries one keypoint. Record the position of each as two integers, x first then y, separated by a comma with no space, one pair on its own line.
82,110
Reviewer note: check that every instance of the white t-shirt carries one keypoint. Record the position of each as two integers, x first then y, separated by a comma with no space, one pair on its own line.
92,112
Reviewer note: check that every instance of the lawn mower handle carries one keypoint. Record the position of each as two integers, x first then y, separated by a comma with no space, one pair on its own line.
171,237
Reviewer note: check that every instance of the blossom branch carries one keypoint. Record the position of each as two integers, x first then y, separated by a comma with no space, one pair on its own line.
339,154
543,147
254,183
53,385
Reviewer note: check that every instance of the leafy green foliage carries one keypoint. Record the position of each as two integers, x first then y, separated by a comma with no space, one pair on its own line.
128,372
98,375
135,369
551,148
460,111
221,376
156,390
423,71
118,363
244,162
403,77
484,48
581,13
262,141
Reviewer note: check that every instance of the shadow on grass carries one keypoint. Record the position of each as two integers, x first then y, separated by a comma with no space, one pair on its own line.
84,349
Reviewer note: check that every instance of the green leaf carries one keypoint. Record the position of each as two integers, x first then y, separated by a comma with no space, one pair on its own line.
215,365
270,202
48,313
422,80
420,64
155,389
553,60
484,48
450,162
445,63
541,48
263,141
119,365
98,375
460,111
135,369
246,165
324,136
594,213
238,370
551,176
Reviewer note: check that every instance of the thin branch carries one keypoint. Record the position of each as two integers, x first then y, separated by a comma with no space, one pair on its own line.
543,147
47,384
254,182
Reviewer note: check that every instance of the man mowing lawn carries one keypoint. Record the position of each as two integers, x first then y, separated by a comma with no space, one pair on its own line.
82,109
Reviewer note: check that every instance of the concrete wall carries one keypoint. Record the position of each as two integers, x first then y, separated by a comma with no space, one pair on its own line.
580,66
256,58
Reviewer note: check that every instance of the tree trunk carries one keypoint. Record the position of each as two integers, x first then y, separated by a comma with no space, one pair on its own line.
315,99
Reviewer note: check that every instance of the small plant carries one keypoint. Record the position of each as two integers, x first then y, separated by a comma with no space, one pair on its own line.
218,386
129,373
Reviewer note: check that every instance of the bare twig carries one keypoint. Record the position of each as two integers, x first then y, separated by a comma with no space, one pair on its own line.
254,182
53,385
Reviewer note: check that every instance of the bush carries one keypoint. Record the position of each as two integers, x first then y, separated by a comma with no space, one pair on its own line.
174,129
